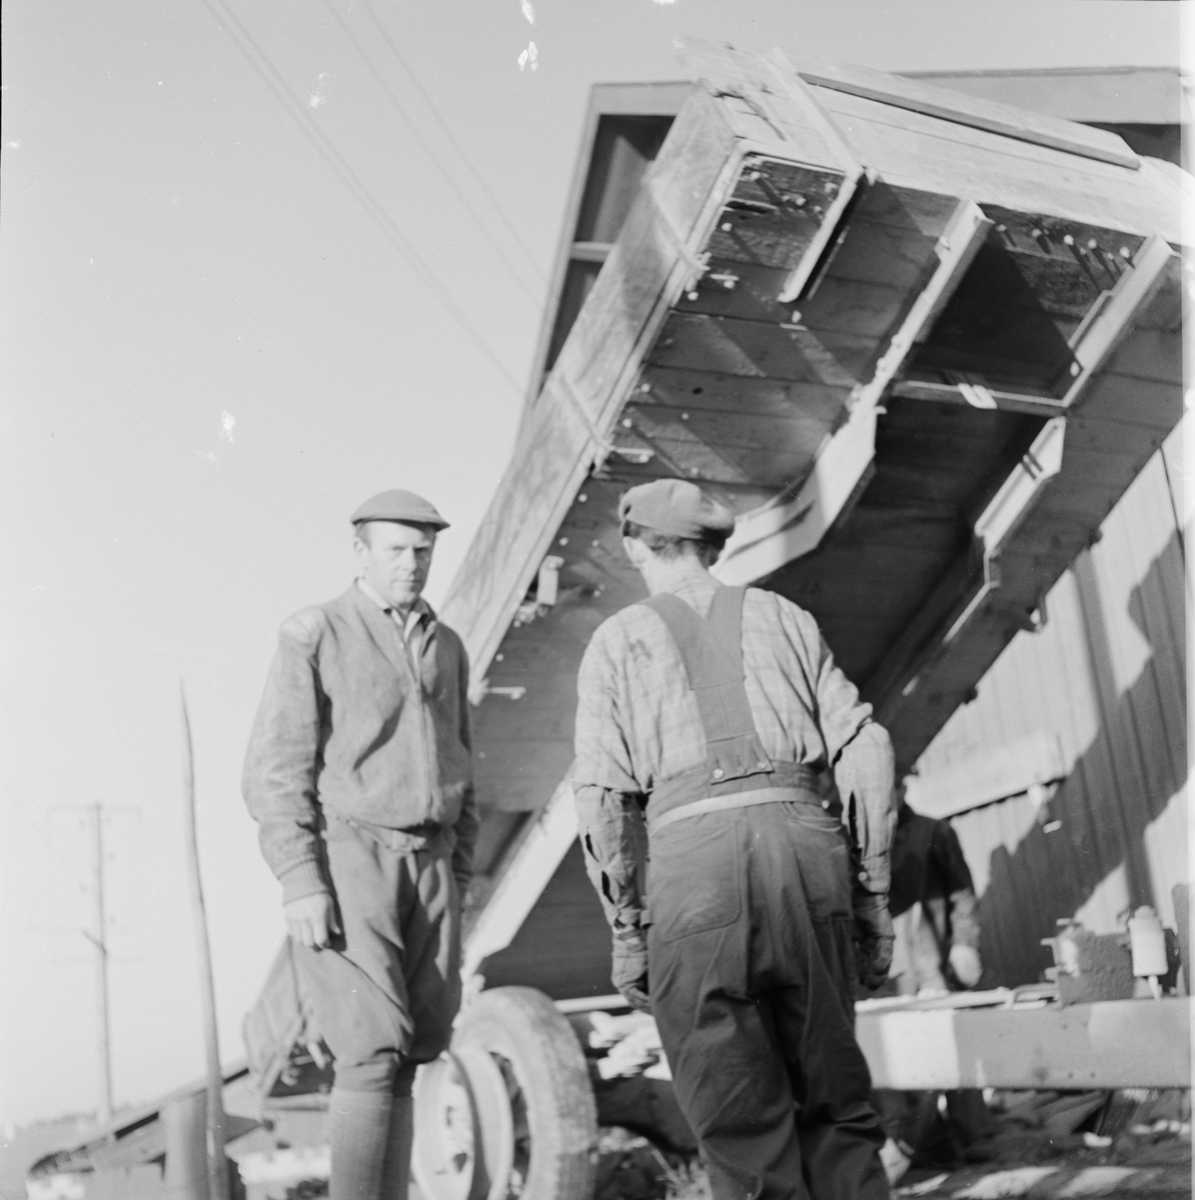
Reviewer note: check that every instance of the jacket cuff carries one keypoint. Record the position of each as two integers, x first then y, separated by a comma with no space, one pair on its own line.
303,879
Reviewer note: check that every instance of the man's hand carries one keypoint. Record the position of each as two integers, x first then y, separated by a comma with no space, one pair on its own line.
629,973
311,920
874,938
964,962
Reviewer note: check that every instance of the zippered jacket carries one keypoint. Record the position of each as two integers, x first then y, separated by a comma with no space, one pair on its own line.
350,724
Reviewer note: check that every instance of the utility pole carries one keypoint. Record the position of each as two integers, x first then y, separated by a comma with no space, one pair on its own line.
97,935
99,939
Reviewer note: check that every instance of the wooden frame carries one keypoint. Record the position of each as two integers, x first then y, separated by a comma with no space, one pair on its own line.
791,526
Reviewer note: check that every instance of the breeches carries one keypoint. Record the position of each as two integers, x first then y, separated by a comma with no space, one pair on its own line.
385,993
751,963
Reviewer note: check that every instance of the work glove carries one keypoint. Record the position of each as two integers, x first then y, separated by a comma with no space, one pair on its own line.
874,938
629,973
964,962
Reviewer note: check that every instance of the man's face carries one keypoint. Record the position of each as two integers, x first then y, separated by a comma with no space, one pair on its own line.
395,559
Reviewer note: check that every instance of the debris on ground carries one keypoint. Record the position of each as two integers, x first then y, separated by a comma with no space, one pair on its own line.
1046,1146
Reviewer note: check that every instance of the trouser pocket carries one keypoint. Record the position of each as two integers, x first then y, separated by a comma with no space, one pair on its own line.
693,881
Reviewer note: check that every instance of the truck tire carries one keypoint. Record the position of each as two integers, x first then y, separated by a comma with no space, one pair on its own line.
552,1117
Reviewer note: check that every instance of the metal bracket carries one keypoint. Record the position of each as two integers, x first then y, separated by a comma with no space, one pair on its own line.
1009,507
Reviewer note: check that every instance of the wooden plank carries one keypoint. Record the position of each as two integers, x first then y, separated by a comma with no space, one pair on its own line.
1132,295
529,872
986,776
691,390
875,252
730,72
1133,401
795,524
909,208
792,526
590,380
1149,354
914,151
734,288
1112,1044
963,108
953,394
1166,310
516,795
698,460
760,225
1087,432
867,309
786,105
797,432
732,347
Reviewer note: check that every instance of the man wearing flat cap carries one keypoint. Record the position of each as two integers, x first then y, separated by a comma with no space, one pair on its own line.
709,724
359,774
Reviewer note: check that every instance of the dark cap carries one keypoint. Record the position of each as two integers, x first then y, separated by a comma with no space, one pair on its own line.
676,507
397,505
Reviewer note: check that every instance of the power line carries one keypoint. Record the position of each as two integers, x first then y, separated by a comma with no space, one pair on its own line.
429,151
450,137
326,148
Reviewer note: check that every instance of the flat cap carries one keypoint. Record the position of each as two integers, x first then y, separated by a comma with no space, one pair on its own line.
397,505
676,507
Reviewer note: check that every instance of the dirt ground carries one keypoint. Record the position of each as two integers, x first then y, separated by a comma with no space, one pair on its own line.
1041,1145
1038,1145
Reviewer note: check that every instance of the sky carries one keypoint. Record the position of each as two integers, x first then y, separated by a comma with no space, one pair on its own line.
221,328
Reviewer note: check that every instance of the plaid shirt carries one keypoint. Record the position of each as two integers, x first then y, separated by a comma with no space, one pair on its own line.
638,723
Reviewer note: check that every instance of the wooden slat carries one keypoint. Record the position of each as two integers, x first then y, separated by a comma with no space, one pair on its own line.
1150,354
588,383
866,309
1003,770
912,150
695,459
798,433
874,252
1133,401
692,389
908,208
965,109
726,70
734,347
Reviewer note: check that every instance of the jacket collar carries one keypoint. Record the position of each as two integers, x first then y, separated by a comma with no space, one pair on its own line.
382,631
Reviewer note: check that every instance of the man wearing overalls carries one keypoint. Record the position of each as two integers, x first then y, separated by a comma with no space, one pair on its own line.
708,720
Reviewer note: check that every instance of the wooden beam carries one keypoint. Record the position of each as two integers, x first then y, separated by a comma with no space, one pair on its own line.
962,108
792,525
1112,1044
908,149
803,129
568,431
1133,293
524,877
987,776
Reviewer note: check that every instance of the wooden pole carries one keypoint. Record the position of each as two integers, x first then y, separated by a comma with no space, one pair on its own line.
217,1163
100,940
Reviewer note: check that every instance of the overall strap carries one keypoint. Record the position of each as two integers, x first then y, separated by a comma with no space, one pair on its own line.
712,653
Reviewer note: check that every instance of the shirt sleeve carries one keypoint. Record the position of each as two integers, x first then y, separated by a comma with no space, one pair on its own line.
865,773
280,766
841,714
613,837
467,823
603,752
